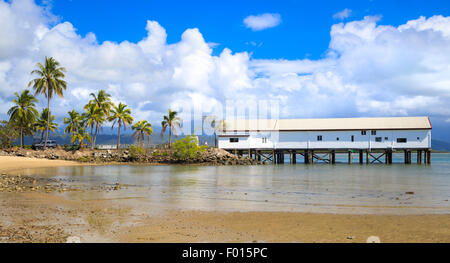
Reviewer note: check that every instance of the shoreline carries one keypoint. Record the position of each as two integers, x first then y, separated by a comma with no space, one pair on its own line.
133,220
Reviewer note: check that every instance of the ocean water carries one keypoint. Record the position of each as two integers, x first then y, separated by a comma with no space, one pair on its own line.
318,188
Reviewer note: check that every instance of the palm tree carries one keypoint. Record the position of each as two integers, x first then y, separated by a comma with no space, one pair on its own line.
79,136
24,113
143,128
42,123
93,117
122,116
170,121
72,122
102,108
49,82
103,101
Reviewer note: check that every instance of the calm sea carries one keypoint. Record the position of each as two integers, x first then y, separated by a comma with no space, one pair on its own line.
322,188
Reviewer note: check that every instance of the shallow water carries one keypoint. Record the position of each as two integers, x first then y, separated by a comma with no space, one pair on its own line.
322,188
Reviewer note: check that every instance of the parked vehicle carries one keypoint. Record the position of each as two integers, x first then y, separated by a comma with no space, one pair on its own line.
39,144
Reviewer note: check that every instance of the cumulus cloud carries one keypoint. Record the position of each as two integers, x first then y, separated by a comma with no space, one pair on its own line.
263,21
368,70
346,13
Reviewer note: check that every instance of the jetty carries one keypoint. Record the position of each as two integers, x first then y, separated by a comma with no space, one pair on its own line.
373,140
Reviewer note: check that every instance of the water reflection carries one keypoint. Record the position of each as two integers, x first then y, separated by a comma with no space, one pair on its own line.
314,188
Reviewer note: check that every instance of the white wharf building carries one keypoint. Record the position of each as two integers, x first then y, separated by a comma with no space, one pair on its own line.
304,136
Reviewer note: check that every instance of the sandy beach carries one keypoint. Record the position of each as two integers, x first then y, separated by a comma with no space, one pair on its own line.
12,163
48,217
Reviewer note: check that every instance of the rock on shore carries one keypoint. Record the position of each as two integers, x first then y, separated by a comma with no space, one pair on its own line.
210,156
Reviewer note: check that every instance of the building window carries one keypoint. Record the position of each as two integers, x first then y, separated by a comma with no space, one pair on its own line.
374,132
386,138
402,140
363,132
319,138
418,138
234,140
264,140
337,139
353,138
378,139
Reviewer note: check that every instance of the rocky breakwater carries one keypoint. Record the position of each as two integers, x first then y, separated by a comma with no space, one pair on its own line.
210,156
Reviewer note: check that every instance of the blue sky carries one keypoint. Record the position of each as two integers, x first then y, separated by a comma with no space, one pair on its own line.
317,59
303,32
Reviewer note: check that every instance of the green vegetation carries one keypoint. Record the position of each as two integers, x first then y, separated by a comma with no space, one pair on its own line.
171,122
142,129
8,134
187,148
136,152
23,114
79,136
50,81
25,119
45,122
122,116
98,110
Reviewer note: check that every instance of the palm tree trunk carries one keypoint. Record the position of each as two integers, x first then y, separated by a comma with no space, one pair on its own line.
21,137
96,133
142,139
92,135
42,135
170,137
118,139
215,139
48,121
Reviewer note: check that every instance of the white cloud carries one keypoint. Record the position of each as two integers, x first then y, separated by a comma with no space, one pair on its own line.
369,69
346,13
263,21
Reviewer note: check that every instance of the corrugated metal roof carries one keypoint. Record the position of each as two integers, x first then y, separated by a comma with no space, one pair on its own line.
389,123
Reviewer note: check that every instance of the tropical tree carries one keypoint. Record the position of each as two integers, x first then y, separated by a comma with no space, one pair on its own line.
170,122
23,114
120,115
73,122
215,124
8,133
79,136
99,110
45,122
49,82
103,100
94,117
142,129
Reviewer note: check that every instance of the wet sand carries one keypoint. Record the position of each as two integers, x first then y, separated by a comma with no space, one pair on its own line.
48,217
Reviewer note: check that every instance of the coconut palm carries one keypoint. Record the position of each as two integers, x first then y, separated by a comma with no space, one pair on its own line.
120,115
23,114
103,103
103,100
49,82
43,122
170,122
73,122
79,136
94,117
142,129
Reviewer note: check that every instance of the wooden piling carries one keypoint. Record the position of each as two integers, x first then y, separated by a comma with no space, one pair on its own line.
350,157
367,157
360,157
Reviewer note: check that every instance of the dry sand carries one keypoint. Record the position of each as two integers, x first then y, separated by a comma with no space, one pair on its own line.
11,163
42,217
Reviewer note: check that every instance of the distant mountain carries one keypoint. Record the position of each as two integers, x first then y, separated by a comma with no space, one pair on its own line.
440,145
110,139
156,138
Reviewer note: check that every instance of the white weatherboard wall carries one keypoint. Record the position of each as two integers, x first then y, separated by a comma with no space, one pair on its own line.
416,139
